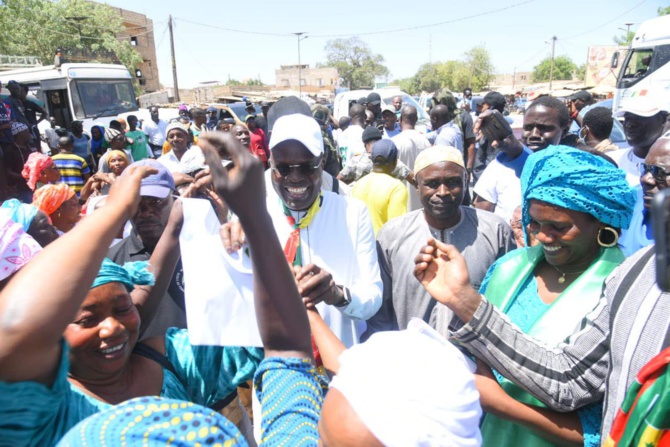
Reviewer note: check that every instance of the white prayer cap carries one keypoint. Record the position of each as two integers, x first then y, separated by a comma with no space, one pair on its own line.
301,128
412,388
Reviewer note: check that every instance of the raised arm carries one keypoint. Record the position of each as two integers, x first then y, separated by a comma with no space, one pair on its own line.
564,378
42,299
280,313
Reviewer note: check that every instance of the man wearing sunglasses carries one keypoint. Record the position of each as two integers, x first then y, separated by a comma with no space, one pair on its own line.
644,120
653,173
328,239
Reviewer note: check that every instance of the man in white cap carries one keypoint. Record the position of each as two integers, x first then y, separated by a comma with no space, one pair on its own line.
643,124
327,238
481,236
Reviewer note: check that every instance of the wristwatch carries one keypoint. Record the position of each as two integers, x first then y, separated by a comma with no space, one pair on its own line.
346,298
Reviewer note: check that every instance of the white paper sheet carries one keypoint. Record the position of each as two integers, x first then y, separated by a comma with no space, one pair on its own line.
219,295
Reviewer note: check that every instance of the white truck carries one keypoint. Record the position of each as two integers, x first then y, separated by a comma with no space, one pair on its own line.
645,71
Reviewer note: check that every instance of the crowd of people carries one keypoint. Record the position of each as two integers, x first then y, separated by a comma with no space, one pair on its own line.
439,288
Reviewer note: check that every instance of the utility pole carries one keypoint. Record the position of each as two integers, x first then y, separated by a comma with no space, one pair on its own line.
174,62
551,72
299,64
514,78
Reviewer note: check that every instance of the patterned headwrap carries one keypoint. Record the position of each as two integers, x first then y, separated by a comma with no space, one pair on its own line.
21,213
17,127
129,274
34,167
110,134
16,247
114,153
154,421
578,181
50,197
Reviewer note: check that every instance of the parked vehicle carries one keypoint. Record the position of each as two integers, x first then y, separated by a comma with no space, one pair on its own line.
646,69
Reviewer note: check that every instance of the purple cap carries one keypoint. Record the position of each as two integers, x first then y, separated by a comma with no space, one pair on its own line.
158,185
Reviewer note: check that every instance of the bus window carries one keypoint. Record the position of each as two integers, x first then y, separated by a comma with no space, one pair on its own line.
93,99
642,62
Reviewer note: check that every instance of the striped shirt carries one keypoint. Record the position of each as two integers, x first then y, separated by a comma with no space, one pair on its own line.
72,169
598,362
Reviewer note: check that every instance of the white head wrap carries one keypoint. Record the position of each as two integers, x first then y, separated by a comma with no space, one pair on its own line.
412,388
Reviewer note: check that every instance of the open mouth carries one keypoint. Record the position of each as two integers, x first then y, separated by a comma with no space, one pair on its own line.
112,350
550,249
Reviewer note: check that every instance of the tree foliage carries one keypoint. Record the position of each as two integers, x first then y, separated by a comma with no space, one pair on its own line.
664,11
82,29
355,62
564,69
624,39
475,71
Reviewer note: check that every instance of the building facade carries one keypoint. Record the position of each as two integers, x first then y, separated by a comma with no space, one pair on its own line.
139,32
286,77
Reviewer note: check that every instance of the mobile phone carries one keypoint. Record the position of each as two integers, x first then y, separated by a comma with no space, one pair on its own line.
660,218
495,127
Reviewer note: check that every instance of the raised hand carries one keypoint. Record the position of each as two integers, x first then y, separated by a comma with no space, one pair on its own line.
125,191
243,187
441,269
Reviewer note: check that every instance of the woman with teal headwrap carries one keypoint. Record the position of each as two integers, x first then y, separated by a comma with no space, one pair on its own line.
68,352
34,221
574,204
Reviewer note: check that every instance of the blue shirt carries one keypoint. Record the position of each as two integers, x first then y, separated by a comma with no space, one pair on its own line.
639,234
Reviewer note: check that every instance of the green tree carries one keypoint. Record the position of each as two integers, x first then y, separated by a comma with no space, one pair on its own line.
455,75
233,82
624,39
581,72
564,69
664,11
427,79
254,82
82,29
355,62
478,62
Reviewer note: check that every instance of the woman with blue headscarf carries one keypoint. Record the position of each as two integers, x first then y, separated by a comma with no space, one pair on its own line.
574,205
34,221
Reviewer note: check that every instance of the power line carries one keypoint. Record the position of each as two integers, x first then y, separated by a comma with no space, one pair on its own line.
460,19
604,24
232,30
162,36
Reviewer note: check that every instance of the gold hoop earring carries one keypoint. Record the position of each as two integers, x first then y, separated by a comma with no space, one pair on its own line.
614,234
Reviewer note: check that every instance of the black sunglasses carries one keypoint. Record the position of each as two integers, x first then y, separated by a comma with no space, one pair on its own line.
306,168
659,173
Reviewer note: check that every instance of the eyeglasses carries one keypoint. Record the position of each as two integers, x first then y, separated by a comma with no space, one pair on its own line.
306,169
658,173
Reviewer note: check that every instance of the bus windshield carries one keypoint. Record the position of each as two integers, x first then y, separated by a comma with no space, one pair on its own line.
96,98
641,63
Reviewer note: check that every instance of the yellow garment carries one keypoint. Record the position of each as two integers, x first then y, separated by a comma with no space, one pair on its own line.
385,197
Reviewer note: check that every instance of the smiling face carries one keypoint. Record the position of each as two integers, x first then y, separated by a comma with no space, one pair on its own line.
659,155
103,333
568,238
541,128
440,187
301,185
178,140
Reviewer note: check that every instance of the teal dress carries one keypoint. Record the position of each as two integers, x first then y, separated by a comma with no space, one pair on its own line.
33,414
523,312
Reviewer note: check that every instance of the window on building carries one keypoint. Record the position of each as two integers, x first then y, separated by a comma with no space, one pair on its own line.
133,41
523,77
142,81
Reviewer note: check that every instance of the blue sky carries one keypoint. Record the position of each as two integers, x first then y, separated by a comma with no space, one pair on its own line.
515,37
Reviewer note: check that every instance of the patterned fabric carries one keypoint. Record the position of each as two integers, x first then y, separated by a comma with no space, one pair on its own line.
17,128
72,169
361,165
291,394
32,414
50,197
643,419
35,165
21,213
16,248
579,181
129,274
154,421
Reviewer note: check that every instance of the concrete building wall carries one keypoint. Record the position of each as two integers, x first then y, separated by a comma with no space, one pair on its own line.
139,32
324,78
